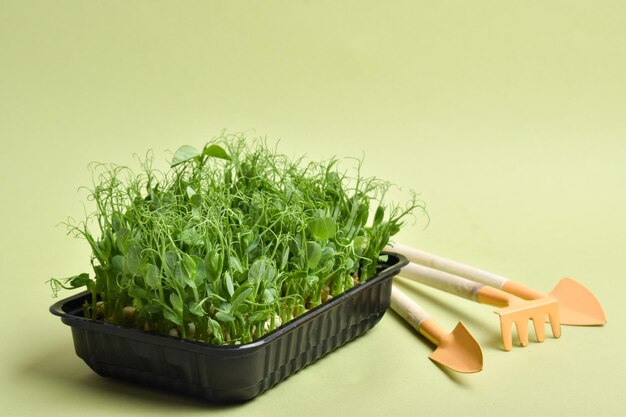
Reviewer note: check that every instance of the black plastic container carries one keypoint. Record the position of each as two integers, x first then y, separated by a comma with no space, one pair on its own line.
228,373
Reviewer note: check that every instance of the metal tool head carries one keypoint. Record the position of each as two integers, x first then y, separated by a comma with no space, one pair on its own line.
459,351
579,307
520,312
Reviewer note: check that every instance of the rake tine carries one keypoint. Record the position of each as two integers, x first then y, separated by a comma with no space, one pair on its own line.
540,329
522,332
519,312
506,328
555,323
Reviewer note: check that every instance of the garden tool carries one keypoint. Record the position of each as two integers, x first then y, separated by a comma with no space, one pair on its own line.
578,306
513,310
458,351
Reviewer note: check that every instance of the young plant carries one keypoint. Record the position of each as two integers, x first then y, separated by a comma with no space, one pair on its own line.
229,243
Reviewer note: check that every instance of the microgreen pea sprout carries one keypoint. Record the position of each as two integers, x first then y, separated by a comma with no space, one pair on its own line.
231,242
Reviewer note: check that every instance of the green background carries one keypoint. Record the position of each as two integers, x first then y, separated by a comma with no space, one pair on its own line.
507,117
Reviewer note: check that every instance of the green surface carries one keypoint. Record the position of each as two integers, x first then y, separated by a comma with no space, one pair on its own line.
507,117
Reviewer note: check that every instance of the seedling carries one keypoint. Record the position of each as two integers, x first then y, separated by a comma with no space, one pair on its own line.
229,243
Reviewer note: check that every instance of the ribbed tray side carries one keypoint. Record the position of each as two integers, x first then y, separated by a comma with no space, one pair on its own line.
226,374
325,333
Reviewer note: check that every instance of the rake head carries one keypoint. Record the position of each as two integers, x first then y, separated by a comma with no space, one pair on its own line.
520,312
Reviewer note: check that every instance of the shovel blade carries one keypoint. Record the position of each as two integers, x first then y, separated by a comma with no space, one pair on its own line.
578,305
459,351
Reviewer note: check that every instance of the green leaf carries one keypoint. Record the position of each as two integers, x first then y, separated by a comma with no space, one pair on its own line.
137,292
123,235
378,217
323,228
257,270
191,237
269,295
196,200
259,315
216,330
262,270
349,264
179,274
358,241
224,317
79,280
189,264
183,275
171,316
311,280
184,154
362,213
133,260
201,272
153,307
216,297
328,253
104,246
213,261
171,259
285,258
229,283
176,302
240,296
314,254
70,283
118,263
152,276
196,308
138,304
234,262
271,274
216,151
254,244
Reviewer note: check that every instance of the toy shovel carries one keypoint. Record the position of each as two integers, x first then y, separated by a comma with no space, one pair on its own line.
513,310
458,351
578,306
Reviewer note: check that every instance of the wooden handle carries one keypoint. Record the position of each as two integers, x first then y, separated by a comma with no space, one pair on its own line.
406,308
442,281
416,316
447,265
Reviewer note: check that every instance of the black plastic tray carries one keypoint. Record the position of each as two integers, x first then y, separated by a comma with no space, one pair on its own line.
228,373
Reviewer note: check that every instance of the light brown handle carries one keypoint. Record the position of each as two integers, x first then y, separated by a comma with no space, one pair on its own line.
416,316
441,280
456,285
466,271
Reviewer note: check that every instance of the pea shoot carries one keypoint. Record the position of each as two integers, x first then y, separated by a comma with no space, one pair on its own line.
231,242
